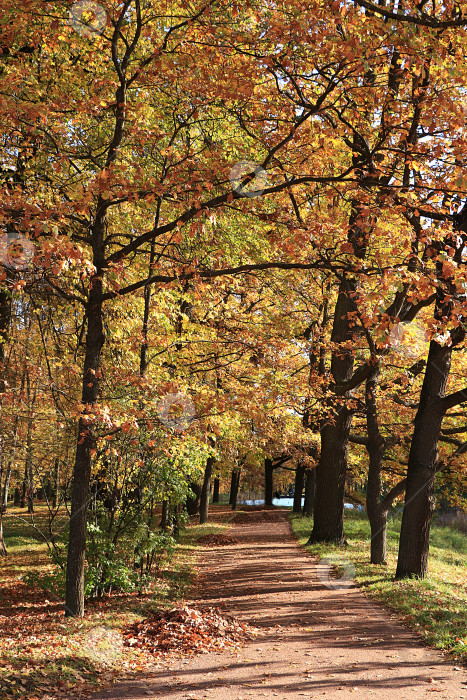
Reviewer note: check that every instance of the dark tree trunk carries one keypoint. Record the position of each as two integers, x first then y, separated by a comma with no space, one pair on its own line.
176,522
164,515
56,486
328,524
28,487
11,457
215,492
74,594
205,490
298,489
24,488
423,460
233,477
378,547
192,503
6,486
377,513
3,549
268,482
309,492
236,487
5,319
74,604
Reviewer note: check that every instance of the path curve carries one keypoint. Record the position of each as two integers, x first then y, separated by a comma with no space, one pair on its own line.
314,642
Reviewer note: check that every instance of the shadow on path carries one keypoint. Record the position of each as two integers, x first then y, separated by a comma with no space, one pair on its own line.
313,641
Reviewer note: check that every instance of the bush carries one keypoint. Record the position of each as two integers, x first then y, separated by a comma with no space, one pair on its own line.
125,568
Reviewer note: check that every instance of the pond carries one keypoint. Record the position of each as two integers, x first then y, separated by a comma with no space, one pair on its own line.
288,503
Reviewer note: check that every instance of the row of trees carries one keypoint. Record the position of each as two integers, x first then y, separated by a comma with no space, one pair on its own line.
237,210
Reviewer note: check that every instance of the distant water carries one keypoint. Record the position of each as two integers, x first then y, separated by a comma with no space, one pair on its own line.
288,503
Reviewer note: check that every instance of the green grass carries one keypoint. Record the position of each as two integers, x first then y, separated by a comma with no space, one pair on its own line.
435,607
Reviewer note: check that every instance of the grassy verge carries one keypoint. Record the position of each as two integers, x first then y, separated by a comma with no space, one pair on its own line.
436,607
42,653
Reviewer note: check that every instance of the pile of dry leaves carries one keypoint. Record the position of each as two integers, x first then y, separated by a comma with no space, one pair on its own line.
188,630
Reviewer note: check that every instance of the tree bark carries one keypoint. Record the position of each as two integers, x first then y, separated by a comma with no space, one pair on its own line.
309,492
375,445
6,486
328,524
55,496
236,486
74,600
268,481
3,549
298,490
331,470
28,474
215,492
205,490
233,478
423,459
5,319
164,515
192,504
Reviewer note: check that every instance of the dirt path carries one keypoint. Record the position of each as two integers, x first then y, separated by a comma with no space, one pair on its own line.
314,641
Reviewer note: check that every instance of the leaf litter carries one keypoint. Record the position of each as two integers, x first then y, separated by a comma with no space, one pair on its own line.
188,630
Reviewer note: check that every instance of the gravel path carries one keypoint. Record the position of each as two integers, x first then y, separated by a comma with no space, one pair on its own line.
314,641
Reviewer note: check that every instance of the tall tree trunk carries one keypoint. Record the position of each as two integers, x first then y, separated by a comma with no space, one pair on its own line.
233,478
3,549
298,492
11,457
215,491
205,490
328,524
236,486
309,492
55,495
377,513
164,515
84,448
268,481
192,503
74,594
423,460
6,486
423,463
28,473
5,319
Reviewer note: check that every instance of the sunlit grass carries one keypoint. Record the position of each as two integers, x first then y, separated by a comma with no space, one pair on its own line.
435,607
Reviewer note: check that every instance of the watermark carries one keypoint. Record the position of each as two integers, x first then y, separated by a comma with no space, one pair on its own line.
16,251
176,411
248,179
87,18
409,339
103,644
336,573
